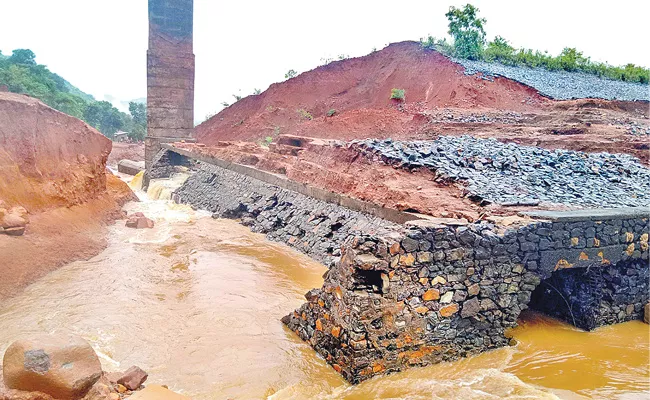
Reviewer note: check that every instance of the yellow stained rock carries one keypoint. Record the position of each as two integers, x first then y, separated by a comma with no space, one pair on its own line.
407,259
336,331
448,311
431,294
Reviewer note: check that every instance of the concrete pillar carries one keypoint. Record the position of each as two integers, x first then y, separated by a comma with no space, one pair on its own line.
170,74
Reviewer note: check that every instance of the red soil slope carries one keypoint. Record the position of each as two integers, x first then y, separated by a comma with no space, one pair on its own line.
53,165
359,90
48,159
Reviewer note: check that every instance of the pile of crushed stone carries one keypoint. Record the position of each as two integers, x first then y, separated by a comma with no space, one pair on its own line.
510,174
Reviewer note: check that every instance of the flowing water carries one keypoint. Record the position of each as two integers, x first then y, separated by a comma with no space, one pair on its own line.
197,303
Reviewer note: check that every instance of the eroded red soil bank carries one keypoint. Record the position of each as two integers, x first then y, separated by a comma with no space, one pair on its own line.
54,166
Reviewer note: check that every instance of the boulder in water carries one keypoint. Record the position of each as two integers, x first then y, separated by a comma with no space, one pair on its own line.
139,221
62,366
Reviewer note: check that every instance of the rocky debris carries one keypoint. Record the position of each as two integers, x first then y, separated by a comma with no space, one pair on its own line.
139,221
133,378
452,116
646,313
62,366
560,85
13,221
632,127
130,167
510,174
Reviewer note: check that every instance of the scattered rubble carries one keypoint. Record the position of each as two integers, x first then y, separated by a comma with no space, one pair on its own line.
509,174
560,85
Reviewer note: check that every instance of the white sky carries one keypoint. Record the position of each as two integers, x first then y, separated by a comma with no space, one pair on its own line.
100,45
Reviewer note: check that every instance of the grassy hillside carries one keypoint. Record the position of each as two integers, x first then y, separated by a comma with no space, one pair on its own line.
21,74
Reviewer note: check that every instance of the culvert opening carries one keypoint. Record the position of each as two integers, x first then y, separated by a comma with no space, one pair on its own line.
572,295
598,295
368,280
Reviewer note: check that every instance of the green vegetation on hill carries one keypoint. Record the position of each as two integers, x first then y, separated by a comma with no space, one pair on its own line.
466,30
21,74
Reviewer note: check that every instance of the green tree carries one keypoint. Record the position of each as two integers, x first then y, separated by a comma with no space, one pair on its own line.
104,117
290,74
23,56
138,129
467,30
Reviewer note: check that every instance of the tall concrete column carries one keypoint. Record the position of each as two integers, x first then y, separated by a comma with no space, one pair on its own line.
170,74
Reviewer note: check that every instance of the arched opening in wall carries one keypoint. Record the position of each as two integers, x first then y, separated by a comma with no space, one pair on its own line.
593,296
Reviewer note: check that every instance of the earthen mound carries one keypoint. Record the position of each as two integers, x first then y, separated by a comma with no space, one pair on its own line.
357,93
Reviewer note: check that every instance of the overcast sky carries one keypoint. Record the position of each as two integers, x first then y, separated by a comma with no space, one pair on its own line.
100,45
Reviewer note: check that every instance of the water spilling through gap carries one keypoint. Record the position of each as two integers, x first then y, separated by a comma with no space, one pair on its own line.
197,302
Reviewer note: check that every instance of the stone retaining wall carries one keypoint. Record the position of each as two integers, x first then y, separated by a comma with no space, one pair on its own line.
397,295
314,227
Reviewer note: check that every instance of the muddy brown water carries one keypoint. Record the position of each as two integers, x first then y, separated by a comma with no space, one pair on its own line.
197,302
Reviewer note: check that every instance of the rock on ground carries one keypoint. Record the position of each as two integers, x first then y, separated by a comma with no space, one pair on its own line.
133,378
62,366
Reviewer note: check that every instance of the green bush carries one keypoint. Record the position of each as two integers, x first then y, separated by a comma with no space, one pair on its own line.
331,112
398,94
290,74
304,114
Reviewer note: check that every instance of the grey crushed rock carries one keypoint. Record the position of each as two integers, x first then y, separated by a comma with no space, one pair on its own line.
510,174
561,85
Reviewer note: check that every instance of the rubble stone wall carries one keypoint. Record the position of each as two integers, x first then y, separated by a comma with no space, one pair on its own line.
397,296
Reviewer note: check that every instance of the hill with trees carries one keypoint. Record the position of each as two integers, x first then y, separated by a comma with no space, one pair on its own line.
22,74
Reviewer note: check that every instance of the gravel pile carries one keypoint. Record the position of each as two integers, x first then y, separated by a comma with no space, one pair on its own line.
508,117
561,85
511,174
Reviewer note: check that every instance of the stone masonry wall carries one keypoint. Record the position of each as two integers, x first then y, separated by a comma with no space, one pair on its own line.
397,296
314,227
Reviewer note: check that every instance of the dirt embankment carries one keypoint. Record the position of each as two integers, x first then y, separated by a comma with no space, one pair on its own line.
440,100
359,91
54,166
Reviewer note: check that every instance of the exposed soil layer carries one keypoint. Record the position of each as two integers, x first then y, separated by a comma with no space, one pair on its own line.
54,166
